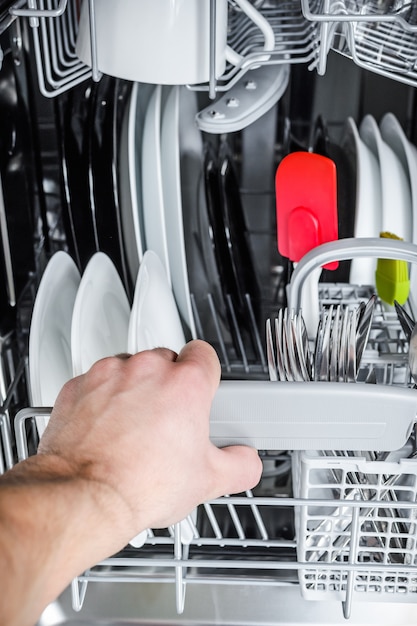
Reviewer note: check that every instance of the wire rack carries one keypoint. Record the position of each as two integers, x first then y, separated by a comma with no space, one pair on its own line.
379,36
282,532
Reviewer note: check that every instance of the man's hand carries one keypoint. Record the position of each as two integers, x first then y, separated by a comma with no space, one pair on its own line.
126,448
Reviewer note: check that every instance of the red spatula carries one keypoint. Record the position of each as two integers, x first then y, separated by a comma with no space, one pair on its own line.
306,202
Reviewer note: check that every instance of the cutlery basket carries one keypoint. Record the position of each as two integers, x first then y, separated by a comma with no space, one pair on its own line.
362,545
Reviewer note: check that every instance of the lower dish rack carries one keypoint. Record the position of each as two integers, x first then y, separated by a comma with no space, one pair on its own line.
339,527
337,522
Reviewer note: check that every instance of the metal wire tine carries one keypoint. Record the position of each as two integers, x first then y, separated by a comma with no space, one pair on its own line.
325,349
335,346
363,327
270,353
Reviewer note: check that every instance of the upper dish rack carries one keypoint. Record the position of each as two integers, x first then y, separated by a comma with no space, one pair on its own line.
377,36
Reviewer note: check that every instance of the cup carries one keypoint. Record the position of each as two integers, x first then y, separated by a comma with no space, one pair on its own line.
161,41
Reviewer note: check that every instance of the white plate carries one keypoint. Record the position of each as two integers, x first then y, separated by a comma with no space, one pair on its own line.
368,210
171,179
395,137
155,323
130,174
152,189
50,332
154,320
130,217
100,319
396,195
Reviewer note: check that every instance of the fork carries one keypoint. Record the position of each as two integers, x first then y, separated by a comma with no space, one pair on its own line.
288,353
340,340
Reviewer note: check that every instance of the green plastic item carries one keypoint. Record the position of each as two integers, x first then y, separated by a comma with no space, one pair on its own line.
392,278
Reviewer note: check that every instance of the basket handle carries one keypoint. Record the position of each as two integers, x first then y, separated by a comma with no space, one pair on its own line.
342,250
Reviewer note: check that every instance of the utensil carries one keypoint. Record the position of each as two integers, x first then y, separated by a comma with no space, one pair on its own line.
391,277
412,353
288,353
306,204
338,348
406,321
306,208
364,324
322,349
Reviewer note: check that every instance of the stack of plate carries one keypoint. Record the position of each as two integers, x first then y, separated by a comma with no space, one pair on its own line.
386,194
78,320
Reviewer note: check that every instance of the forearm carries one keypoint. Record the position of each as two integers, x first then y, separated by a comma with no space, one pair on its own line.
53,526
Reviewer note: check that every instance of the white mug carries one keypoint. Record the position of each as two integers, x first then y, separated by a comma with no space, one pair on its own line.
161,41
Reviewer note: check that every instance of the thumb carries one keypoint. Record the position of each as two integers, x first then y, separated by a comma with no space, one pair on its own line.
237,469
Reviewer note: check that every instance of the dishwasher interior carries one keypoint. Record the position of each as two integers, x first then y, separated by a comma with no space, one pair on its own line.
329,533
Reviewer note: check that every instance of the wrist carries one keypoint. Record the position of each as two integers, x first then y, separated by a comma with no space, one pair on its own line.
51,515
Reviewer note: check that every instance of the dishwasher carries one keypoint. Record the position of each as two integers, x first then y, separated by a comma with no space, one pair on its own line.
329,535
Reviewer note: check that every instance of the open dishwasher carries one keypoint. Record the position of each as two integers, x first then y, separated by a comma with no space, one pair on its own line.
329,533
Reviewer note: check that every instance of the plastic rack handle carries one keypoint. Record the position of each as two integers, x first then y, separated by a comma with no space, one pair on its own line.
342,250
312,416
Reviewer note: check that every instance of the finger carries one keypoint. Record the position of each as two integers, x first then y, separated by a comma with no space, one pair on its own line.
165,353
123,356
237,469
153,355
201,354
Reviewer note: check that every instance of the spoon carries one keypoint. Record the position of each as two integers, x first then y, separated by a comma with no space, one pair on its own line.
412,353
406,321
364,327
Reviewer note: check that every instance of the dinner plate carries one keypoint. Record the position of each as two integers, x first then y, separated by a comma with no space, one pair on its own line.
101,313
395,137
152,188
155,323
240,254
50,365
368,203
154,319
104,199
396,196
80,225
203,276
171,177
130,176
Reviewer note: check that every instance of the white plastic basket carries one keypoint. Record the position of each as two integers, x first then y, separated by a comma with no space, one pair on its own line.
362,545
